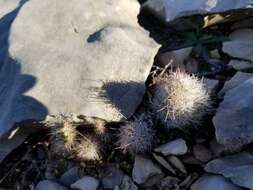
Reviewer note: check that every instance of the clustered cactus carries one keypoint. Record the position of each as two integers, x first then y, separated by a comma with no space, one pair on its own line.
136,136
67,141
179,99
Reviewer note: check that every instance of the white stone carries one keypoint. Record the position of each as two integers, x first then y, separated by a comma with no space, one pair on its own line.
169,10
49,185
175,147
240,45
214,182
86,183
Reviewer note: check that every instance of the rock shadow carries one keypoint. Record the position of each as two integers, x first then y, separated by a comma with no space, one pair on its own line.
124,95
15,106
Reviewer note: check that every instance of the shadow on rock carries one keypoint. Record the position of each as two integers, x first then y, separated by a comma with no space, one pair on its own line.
15,106
124,96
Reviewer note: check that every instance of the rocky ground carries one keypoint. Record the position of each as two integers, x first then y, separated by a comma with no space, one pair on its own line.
126,95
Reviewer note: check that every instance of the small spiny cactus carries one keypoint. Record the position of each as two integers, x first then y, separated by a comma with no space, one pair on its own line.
179,99
136,136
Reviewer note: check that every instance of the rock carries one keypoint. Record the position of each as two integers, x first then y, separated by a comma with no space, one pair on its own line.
169,10
240,46
237,79
152,181
127,184
237,131
169,183
8,6
99,58
241,65
175,147
176,162
242,176
70,176
49,185
176,58
242,24
237,168
216,148
144,169
14,139
220,165
214,54
164,163
113,177
211,182
211,85
86,183
190,159
202,153
187,182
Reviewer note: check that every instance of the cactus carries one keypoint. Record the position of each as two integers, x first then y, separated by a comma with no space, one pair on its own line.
136,136
63,138
88,150
179,99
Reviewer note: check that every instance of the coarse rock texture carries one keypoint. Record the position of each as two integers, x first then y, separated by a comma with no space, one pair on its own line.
86,183
237,168
176,58
169,10
241,65
220,165
144,169
211,182
236,80
240,44
211,85
237,131
202,153
49,185
61,57
113,177
175,147
7,6
70,176
127,184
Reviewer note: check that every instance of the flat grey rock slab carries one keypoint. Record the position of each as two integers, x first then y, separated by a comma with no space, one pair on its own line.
8,6
220,165
49,185
80,57
240,65
241,176
233,120
236,80
237,168
240,46
214,182
169,10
